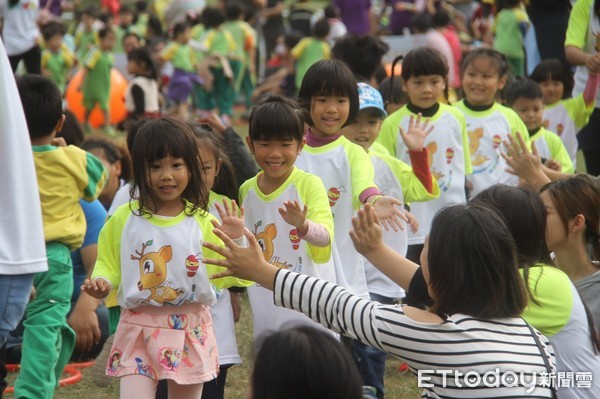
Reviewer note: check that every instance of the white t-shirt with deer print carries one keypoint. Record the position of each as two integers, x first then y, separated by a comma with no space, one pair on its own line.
282,245
154,260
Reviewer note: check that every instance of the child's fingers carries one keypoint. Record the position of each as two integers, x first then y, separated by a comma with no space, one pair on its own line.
216,262
220,210
216,248
225,273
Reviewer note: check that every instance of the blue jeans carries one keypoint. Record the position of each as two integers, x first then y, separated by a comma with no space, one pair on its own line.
371,361
14,295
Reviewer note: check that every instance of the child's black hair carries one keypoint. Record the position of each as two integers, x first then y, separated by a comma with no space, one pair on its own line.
234,10
553,69
276,118
179,28
105,17
52,29
156,140
392,94
498,59
522,88
155,26
212,17
421,22
363,54
321,28
112,153
131,34
441,18
291,39
328,78
42,103
226,182
330,12
90,11
125,9
421,61
102,33
142,56
141,6
510,3
71,130
304,362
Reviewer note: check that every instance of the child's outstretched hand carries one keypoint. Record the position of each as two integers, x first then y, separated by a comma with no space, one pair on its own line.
366,232
295,215
247,263
98,287
414,138
232,219
412,222
387,209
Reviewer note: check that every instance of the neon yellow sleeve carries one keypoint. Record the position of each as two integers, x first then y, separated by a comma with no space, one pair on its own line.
169,52
551,289
108,262
379,149
326,51
300,47
92,57
516,125
314,196
68,56
388,134
578,111
362,171
579,20
559,151
45,58
412,188
204,221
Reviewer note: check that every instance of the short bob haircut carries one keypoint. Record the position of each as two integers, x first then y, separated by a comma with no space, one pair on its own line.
276,118
328,78
158,139
523,88
472,263
303,363
42,103
421,61
553,69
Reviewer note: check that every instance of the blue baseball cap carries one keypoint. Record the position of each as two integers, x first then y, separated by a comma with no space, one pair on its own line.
369,97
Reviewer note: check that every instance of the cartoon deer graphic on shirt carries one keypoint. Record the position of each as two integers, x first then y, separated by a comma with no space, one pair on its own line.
265,240
153,274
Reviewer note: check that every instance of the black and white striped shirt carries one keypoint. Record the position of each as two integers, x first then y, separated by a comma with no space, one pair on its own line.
461,343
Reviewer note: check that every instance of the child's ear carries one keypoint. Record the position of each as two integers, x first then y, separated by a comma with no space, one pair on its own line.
218,166
59,125
250,146
578,223
501,83
301,145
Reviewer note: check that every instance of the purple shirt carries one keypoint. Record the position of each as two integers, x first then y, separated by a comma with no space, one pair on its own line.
355,15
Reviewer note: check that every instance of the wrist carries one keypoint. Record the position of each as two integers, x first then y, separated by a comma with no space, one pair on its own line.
303,229
372,200
87,302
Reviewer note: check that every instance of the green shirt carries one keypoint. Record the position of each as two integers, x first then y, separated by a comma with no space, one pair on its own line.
84,41
181,56
508,36
97,81
550,146
308,51
58,65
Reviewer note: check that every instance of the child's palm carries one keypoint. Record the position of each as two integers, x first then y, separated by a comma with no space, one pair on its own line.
293,213
414,137
232,219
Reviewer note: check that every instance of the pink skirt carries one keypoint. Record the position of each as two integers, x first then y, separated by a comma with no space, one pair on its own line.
175,343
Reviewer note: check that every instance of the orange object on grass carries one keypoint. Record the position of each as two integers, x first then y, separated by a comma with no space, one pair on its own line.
73,375
397,69
116,104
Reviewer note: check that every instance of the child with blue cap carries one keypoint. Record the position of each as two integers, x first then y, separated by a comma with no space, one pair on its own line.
401,181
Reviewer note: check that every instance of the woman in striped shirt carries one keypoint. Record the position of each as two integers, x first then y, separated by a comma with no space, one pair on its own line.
472,343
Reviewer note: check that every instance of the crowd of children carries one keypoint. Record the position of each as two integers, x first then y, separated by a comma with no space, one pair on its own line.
350,158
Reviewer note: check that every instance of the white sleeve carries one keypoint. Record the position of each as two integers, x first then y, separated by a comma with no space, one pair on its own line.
22,245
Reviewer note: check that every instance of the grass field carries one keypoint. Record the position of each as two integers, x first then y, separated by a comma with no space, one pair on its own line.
398,384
